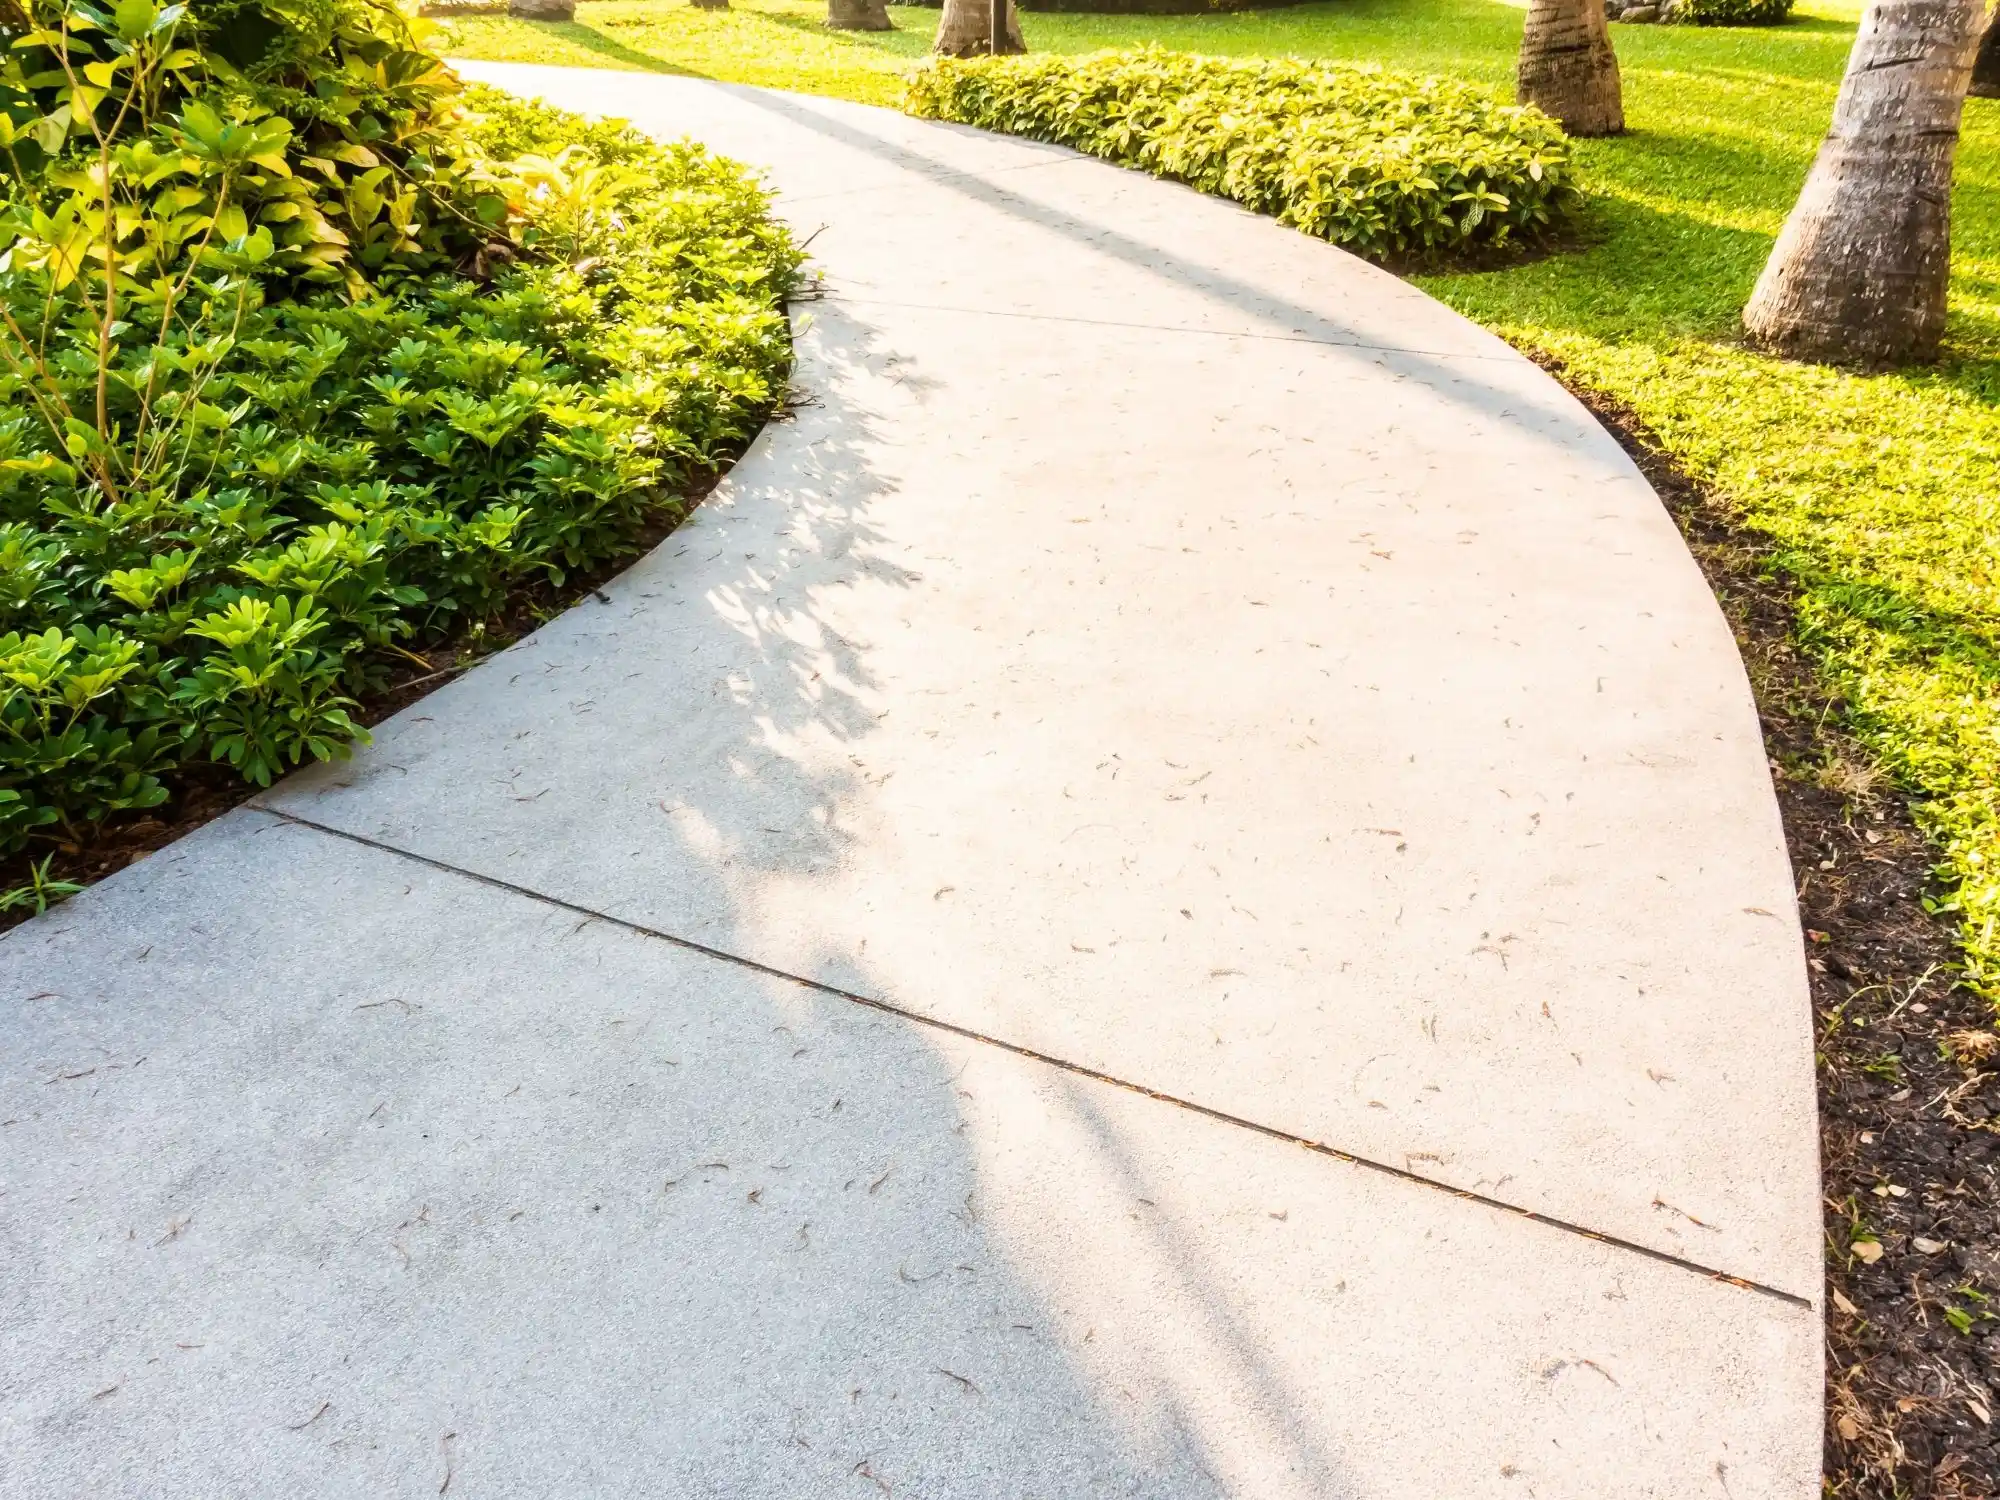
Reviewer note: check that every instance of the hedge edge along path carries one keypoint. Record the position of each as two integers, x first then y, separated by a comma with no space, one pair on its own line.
1388,165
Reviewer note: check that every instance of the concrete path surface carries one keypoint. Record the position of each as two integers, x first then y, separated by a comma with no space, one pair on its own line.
1171,891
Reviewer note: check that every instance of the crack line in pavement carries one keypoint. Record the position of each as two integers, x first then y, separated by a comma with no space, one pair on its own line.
1319,1148
823,295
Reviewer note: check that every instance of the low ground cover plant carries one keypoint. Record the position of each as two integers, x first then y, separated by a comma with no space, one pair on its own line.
307,360
1390,165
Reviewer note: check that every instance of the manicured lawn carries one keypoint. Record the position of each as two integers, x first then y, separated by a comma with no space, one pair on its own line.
1881,493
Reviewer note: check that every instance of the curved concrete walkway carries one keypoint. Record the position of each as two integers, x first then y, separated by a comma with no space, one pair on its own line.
1172,891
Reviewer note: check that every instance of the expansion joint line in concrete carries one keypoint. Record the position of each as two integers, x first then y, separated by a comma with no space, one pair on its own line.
1319,1148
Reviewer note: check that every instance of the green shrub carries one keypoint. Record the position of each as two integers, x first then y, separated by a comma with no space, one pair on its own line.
304,364
1729,12
1389,165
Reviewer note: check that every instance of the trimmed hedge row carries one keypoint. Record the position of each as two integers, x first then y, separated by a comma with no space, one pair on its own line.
1389,165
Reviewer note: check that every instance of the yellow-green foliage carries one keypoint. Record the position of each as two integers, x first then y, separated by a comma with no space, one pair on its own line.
303,364
1386,164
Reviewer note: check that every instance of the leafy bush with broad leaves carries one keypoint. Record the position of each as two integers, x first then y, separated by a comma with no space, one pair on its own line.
1730,12
1388,165
307,360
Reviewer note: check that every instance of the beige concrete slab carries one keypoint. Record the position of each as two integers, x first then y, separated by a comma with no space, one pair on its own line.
327,1173
1253,721
1335,735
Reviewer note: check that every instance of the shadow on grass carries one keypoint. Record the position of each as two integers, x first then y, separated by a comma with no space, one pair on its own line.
592,40
1916,629
1622,272
1700,168
869,41
1844,617
1805,50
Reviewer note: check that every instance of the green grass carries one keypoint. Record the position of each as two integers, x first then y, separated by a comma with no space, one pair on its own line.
1880,493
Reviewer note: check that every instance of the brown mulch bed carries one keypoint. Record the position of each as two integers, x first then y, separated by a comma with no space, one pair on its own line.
1909,1064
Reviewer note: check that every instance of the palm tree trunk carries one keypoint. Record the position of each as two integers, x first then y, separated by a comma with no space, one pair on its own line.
858,15
1860,272
966,29
1567,67
1986,66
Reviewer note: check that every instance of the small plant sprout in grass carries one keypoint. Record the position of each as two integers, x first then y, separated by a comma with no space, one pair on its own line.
40,893
1888,1067
1970,1308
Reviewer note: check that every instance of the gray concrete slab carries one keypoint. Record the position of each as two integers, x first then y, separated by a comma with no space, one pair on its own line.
1330,731
327,1173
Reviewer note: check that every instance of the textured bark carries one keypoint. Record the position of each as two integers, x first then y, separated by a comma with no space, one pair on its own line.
858,15
1986,66
1860,272
966,28
1567,67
